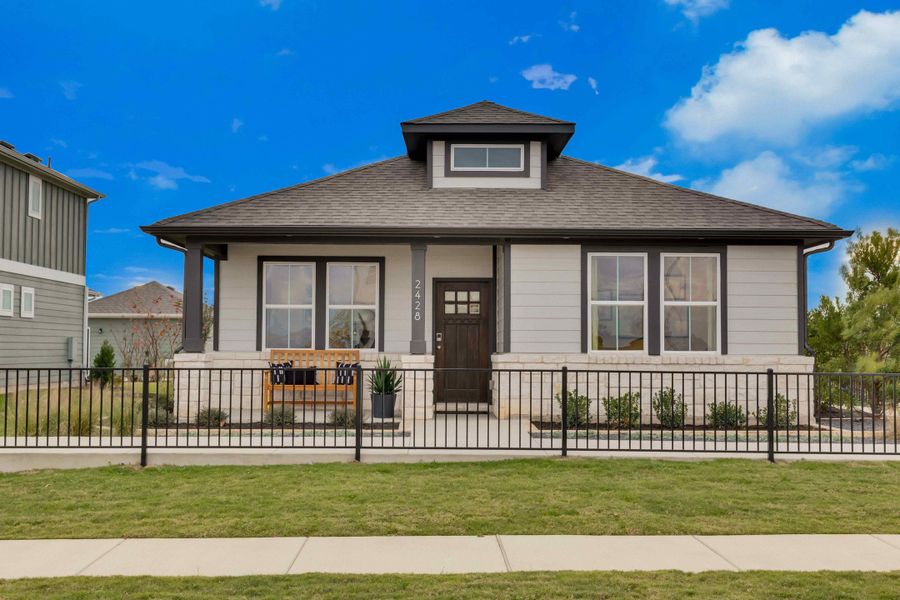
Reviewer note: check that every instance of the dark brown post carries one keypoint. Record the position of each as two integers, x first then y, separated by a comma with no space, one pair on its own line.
192,333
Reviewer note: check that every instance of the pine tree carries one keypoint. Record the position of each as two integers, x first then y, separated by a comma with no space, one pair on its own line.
104,363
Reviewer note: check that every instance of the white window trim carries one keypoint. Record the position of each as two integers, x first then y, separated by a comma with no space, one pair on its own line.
518,169
26,291
40,205
663,303
7,287
591,303
265,304
329,306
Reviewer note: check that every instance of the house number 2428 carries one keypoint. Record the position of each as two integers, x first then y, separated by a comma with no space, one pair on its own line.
417,300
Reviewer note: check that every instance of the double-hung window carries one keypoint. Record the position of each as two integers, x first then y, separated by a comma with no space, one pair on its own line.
690,302
289,305
617,315
487,157
35,196
27,308
352,305
6,299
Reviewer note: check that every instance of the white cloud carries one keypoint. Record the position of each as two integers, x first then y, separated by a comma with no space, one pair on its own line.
59,142
166,176
132,269
112,230
774,89
769,181
331,168
236,124
544,77
694,10
70,88
493,79
285,52
593,83
5,94
875,162
132,175
644,165
273,4
88,173
570,24
520,39
827,157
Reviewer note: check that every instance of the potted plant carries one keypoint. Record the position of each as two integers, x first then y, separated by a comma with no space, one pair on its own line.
385,383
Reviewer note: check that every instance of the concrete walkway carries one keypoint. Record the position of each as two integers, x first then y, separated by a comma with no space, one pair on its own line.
464,554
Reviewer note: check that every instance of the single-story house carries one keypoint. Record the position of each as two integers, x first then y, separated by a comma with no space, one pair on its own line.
484,246
143,324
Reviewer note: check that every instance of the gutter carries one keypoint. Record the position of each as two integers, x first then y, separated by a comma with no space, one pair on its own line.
807,252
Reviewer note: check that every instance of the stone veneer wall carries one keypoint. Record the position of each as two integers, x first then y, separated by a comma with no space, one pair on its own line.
235,385
700,380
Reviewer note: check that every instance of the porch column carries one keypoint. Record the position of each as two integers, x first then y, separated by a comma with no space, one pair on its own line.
417,343
192,326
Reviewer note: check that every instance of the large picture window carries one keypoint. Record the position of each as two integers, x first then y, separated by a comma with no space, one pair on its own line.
690,302
288,305
352,305
617,287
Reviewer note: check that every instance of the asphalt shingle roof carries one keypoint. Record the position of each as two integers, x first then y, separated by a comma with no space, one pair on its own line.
486,112
580,197
149,298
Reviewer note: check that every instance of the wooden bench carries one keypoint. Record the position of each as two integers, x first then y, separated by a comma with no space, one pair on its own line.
325,391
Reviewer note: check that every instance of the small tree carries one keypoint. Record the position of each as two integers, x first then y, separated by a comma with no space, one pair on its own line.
104,363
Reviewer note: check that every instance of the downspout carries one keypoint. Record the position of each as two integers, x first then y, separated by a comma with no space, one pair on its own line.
807,252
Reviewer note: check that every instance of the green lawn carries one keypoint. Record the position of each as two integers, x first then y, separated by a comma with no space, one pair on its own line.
532,496
617,585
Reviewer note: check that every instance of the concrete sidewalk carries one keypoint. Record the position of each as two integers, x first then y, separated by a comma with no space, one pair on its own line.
463,554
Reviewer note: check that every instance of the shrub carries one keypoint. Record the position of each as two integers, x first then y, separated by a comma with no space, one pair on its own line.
578,409
280,415
726,415
785,413
104,363
623,411
343,417
669,407
212,417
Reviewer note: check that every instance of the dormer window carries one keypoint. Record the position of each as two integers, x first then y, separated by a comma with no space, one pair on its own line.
487,157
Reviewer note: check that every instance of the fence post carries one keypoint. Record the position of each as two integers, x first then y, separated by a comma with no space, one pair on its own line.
358,416
565,411
145,407
770,413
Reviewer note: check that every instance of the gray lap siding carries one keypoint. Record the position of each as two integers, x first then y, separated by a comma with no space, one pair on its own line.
41,342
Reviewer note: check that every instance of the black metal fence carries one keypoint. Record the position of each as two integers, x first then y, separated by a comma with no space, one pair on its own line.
557,411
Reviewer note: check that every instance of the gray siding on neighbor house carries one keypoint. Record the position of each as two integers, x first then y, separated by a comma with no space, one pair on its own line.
118,331
56,240
41,342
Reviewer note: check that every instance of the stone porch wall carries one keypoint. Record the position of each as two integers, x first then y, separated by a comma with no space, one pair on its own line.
700,380
235,385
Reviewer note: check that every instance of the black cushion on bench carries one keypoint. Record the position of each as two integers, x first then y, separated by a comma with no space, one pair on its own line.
300,376
343,375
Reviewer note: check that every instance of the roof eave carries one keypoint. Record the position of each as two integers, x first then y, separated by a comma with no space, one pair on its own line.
557,135
43,171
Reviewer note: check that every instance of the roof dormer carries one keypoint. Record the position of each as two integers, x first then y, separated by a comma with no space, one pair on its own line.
486,145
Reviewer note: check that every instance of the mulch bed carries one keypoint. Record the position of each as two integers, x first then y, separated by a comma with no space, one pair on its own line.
598,427
297,427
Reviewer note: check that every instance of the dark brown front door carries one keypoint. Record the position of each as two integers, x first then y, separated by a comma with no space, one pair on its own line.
462,318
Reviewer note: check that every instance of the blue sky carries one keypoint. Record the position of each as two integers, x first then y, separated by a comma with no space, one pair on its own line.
168,107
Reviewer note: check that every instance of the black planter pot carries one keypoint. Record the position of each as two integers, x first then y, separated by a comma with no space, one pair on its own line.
383,405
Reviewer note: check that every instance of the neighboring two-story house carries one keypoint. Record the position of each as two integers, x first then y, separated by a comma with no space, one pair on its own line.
43,296
484,246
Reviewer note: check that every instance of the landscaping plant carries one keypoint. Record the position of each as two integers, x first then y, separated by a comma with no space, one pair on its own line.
623,411
342,417
104,363
786,415
212,417
726,415
385,380
669,408
578,409
280,415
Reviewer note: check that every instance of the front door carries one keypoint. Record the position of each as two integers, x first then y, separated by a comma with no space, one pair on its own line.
462,318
